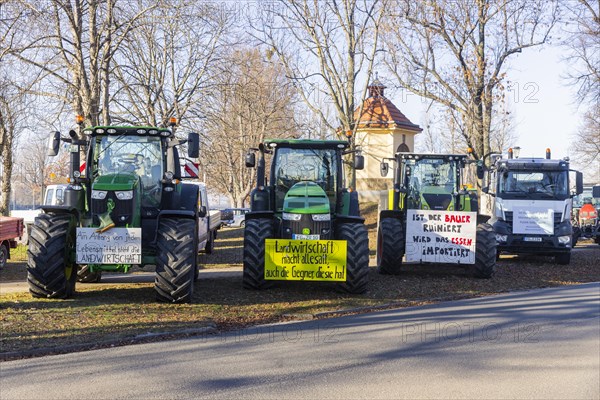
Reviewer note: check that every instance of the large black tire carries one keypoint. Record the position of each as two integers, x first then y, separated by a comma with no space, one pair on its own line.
176,263
50,271
210,243
3,255
357,261
563,258
84,275
390,246
485,252
255,233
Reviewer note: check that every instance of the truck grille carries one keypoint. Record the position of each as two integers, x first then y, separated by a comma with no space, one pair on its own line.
508,218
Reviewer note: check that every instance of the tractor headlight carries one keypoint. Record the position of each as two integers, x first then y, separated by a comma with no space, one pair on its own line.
291,217
99,194
501,238
124,195
564,239
321,217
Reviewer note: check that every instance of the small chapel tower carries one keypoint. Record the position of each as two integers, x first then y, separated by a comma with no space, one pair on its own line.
382,131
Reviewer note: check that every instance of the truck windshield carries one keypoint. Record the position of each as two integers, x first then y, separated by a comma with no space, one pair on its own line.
295,165
139,155
534,184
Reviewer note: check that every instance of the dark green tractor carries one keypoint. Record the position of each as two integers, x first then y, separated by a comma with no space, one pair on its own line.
303,223
126,207
431,216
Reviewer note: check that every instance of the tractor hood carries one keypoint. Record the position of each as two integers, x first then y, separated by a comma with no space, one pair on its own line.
115,182
306,198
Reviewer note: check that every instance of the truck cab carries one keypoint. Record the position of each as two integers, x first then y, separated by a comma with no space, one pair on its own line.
55,195
531,205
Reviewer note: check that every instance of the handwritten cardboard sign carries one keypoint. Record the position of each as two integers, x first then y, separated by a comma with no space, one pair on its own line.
305,260
115,246
533,220
441,236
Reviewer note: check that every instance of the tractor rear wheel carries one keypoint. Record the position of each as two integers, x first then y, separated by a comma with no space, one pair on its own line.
175,260
357,261
50,271
390,246
210,243
485,252
255,234
84,275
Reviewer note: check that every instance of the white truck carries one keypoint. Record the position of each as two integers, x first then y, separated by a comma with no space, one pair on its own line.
529,203
209,221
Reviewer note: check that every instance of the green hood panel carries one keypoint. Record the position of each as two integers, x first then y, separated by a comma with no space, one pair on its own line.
306,198
115,182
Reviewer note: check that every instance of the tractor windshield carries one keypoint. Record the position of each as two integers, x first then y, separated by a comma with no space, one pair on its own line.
292,165
431,183
139,155
533,184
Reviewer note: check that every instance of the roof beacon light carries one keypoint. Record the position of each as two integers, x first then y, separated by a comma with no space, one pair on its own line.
172,121
79,119
510,153
548,154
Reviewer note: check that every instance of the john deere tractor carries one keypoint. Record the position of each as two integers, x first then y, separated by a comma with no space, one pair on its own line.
126,207
431,215
303,223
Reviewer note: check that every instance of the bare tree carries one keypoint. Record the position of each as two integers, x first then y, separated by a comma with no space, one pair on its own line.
586,145
12,99
254,101
72,44
324,46
164,66
455,53
583,42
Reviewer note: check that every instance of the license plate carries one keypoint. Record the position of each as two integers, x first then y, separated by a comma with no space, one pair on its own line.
306,237
532,239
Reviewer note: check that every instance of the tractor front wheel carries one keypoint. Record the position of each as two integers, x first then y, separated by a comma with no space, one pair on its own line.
84,275
357,256
390,246
50,271
485,252
176,260
255,234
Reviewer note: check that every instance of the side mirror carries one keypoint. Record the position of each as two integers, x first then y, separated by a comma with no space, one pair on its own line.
384,168
596,192
202,212
193,145
54,144
250,160
359,162
485,189
480,171
578,182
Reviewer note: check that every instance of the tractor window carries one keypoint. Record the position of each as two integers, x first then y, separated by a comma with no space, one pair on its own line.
533,184
129,154
291,166
431,183
434,173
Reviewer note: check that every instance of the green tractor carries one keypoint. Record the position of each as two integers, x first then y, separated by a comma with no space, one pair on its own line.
303,224
431,216
127,208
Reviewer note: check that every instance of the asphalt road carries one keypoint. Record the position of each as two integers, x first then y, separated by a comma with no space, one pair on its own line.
537,344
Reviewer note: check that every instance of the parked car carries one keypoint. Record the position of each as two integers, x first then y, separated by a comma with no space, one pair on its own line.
234,217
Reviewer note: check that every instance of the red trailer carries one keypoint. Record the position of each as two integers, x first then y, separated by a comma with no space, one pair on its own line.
11,228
